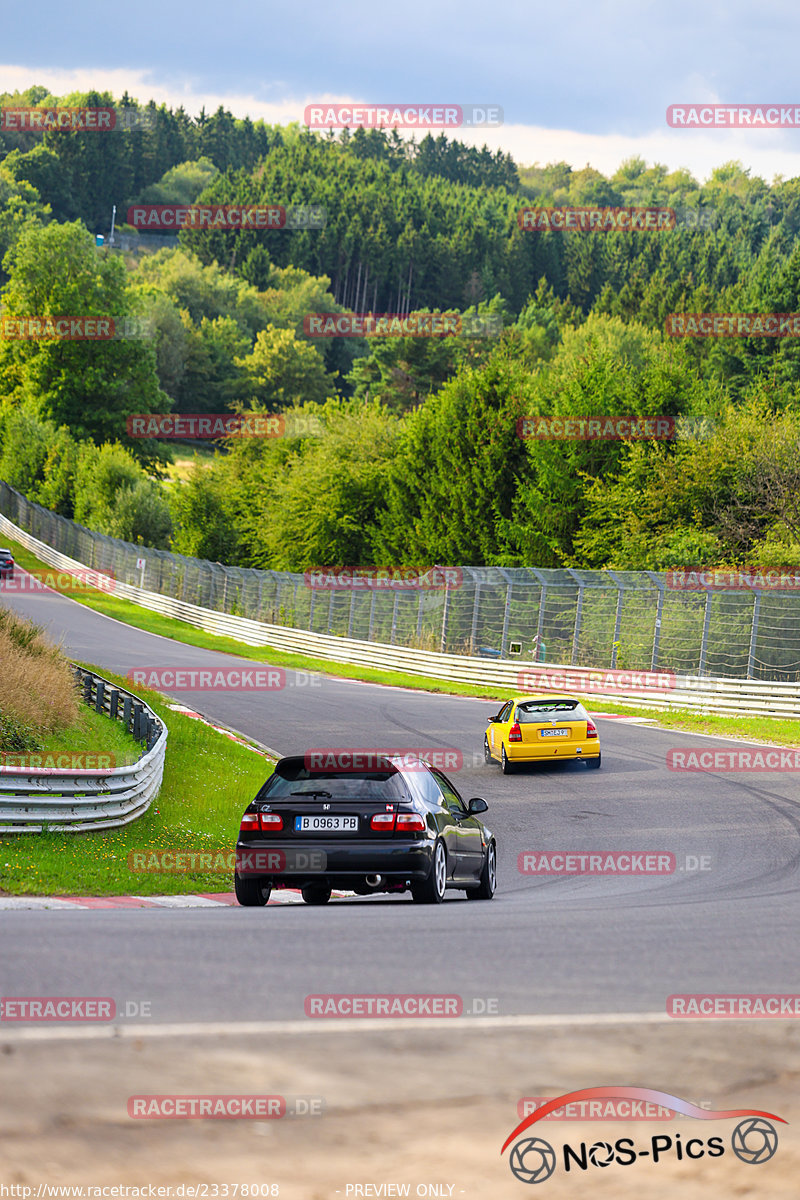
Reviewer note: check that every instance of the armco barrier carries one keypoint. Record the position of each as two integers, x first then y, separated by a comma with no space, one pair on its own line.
33,799
705,695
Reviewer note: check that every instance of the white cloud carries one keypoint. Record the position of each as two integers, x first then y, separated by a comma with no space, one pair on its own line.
765,152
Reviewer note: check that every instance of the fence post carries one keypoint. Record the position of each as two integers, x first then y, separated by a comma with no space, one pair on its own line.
419,616
704,642
330,610
371,614
751,657
506,619
445,614
657,628
576,635
350,616
394,617
617,625
311,608
475,607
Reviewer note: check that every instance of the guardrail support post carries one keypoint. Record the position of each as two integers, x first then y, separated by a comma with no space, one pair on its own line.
87,689
127,708
99,695
751,657
113,703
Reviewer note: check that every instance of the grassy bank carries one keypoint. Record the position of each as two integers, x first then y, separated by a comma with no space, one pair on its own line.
784,731
208,780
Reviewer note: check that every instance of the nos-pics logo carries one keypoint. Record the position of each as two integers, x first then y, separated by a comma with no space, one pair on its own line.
533,1160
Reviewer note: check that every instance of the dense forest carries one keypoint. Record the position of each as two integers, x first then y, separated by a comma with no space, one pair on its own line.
409,450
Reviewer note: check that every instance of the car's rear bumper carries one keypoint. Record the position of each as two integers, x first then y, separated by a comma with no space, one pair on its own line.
295,861
548,753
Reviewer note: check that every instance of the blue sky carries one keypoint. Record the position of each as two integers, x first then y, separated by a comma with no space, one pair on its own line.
581,81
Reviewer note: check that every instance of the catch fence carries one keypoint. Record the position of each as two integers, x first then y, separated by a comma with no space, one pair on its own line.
628,620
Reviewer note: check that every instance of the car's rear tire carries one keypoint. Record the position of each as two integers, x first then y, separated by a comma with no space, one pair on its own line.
316,893
488,884
505,763
432,889
594,762
251,891
487,754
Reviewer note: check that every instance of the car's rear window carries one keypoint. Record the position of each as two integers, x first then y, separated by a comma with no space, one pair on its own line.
295,777
543,710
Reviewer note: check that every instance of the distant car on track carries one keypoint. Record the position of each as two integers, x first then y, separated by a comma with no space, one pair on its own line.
390,825
542,728
6,564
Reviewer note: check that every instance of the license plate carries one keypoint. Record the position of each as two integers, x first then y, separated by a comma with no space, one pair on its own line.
554,732
323,824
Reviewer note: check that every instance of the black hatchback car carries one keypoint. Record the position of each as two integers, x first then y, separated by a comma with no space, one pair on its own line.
6,564
389,825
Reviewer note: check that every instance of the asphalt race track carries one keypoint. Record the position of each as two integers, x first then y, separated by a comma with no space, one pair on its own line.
545,945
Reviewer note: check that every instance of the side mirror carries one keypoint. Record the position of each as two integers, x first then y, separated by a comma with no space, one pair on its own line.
476,805
493,719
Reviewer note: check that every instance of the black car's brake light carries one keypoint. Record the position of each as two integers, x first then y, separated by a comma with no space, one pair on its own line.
261,823
410,823
402,822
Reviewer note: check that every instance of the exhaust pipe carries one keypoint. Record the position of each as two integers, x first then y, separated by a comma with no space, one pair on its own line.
374,880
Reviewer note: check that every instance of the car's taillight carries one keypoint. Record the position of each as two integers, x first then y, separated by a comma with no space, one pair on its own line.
383,822
249,823
271,822
591,730
410,823
515,733
402,822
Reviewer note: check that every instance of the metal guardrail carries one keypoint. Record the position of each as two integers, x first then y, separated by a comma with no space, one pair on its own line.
690,692
35,799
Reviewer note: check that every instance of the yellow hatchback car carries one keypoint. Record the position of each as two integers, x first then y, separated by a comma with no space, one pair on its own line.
537,728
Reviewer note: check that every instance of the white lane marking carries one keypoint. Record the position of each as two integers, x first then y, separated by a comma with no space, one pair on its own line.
141,1029
36,902
181,901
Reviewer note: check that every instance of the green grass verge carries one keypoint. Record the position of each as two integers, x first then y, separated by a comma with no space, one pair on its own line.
208,781
93,734
785,731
